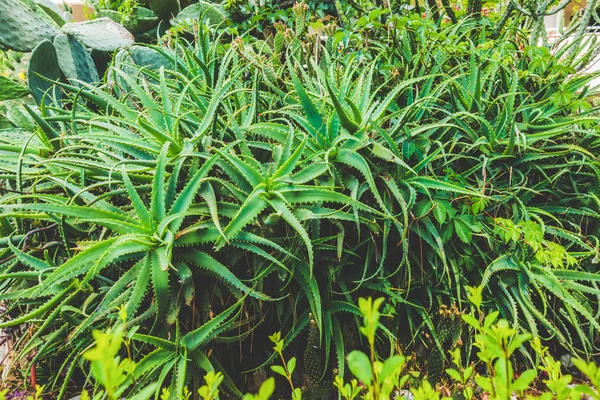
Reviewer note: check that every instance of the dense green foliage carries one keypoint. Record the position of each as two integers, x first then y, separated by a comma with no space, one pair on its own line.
215,189
374,378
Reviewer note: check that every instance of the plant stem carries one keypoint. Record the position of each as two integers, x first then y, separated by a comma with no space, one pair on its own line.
287,373
374,383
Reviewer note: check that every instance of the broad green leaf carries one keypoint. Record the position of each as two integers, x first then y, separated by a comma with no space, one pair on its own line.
278,369
391,367
360,366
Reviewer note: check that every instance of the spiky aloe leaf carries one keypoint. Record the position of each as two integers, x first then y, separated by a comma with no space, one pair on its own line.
249,210
209,330
10,89
39,310
208,263
160,283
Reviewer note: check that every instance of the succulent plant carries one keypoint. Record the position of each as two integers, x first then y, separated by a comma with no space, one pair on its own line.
300,11
148,57
69,55
33,25
448,328
10,89
213,13
13,114
140,21
312,358
316,388
52,10
100,34
23,25
165,9
75,61
43,68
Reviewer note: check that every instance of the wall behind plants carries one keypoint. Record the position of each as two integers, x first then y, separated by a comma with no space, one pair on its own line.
79,10
200,195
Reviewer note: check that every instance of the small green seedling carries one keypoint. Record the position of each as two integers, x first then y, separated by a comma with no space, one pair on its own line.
287,369
379,378
210,391
264,393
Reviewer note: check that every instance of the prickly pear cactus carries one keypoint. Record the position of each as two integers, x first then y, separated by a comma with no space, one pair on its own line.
165,9
283,36
122,61
448,327
43,68
141,20
23,25
100,34
263,47
278,43
149,58
9,89
296,49
291,39
214,13
52,10
75,61
300,10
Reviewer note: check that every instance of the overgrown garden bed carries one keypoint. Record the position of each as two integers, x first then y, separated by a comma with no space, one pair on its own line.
325,200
